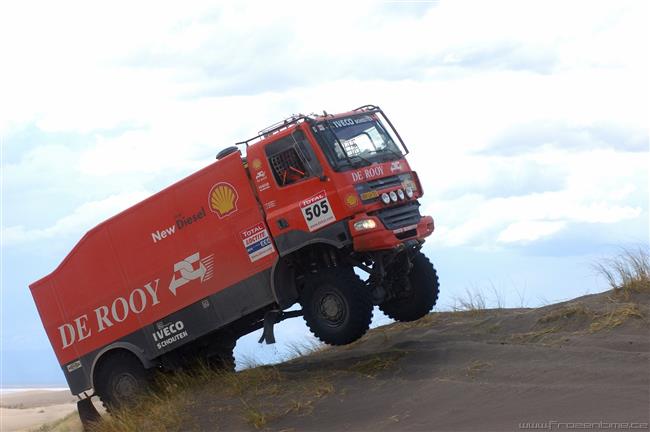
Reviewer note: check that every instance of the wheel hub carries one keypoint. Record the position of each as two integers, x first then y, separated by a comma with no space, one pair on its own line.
331,308
126,385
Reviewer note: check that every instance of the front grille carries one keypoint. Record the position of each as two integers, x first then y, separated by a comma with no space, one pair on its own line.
398,217
384,183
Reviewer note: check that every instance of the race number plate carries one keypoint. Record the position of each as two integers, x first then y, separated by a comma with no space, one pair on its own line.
317,211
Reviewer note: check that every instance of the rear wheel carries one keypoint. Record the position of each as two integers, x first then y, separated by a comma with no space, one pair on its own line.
419,296
120,378
337,306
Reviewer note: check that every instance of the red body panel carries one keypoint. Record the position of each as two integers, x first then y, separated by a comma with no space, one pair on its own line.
190,240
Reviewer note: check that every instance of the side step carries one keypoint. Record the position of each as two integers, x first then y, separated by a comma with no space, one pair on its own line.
271,318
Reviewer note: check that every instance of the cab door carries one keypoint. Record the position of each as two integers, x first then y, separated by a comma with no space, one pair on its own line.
297,199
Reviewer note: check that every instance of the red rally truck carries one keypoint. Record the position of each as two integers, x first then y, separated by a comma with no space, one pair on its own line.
226,251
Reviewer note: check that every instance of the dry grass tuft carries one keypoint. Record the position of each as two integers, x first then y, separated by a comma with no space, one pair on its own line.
152,412
304,349
475,367
255,416
375,365
69,423
616,317
258,396
534,336
573,310
473,302
627,273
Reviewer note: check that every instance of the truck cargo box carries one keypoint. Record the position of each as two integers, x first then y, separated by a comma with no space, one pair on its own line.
202,237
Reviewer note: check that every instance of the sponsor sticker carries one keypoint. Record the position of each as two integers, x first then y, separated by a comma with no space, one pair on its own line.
184,271
404,229
264,186
74,366
182,221
351,200
257,242
369,195
223,199
317,211
167,334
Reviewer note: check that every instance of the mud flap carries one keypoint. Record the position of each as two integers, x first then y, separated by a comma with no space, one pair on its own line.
271,318
87,413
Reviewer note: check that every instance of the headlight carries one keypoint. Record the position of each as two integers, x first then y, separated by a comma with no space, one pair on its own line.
400,194
393,196
385,198
365,224
409,192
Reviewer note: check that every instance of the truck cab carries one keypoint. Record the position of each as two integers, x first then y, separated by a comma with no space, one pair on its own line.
339,194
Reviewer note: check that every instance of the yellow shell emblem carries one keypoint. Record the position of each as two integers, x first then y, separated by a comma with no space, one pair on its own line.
223,199
351,200
257,164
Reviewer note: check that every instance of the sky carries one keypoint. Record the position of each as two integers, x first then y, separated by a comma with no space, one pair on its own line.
527,123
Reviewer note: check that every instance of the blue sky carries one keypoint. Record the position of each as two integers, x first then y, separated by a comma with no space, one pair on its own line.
527,123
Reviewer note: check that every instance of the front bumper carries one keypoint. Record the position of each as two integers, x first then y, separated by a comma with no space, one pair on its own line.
381,238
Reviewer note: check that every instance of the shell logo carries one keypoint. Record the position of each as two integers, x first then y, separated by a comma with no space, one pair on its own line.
223,199
351,200
257,164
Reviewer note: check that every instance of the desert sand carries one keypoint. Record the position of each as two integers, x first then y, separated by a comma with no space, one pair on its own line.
24,410
580,362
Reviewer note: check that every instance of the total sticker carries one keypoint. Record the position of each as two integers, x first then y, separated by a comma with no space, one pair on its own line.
257,242
317,211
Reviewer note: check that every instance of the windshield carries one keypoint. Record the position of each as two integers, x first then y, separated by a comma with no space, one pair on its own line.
356,141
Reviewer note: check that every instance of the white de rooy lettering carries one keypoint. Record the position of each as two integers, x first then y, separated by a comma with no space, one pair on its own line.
108,315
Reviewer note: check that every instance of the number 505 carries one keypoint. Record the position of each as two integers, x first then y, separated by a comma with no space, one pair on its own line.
316,210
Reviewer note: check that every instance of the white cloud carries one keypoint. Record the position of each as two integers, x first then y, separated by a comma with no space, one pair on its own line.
527,231
159,100
76,223
599,187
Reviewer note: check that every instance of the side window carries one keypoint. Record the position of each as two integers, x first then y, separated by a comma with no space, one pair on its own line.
290,159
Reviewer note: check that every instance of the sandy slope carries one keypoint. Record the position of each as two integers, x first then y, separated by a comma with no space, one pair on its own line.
483,371
28,409
587,360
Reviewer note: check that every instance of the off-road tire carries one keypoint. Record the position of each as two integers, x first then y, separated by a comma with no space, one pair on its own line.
337,306
120,379
422,292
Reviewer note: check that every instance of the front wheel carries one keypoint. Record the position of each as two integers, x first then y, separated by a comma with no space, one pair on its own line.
419,296
337,306
120,378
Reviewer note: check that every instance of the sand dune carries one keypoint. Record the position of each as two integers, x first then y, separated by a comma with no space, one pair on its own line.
584,362
577,362
24,410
